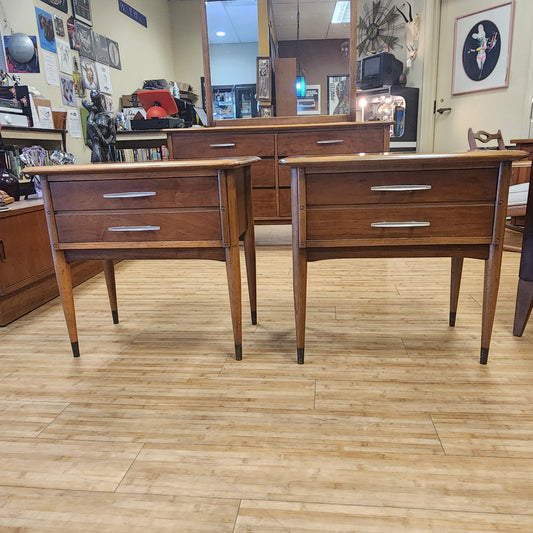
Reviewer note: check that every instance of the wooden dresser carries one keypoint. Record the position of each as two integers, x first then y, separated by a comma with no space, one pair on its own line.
271,182
26,271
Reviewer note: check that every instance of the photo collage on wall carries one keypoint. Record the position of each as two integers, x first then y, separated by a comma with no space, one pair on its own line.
75,58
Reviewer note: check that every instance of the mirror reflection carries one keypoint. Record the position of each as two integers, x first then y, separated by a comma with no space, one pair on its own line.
308,40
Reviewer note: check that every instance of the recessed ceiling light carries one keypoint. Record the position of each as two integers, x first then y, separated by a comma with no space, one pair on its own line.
220,34
341,13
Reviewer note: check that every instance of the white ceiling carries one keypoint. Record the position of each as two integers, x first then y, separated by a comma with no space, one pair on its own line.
237,19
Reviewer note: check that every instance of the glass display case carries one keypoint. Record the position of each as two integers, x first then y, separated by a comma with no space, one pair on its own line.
245,101
223,102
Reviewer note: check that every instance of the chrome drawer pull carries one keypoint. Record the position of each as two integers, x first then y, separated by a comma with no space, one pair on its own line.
140,194
223,145
332,141
400,188
412,224
134,228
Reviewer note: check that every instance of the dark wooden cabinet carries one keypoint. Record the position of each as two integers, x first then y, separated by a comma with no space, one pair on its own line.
271,182
27,277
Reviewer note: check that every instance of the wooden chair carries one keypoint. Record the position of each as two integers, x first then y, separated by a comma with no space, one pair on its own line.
517,201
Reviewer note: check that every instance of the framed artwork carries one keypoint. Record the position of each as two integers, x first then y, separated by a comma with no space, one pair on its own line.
114,54
264,79
62,5
265,111
81,9
310,103
101,51
482,49
339,94
73,38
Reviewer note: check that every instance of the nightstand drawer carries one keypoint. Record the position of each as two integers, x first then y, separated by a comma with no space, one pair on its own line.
401,187
409,222
135,194
138,226
327,142
223,145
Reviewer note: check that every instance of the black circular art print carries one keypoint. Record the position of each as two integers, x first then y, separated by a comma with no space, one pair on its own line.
481,50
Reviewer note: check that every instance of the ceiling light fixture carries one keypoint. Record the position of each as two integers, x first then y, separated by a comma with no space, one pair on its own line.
341,13
220,34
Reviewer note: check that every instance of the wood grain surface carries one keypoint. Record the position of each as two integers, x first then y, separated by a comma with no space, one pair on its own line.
391,425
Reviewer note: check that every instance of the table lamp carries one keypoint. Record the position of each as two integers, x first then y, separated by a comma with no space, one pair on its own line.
158,103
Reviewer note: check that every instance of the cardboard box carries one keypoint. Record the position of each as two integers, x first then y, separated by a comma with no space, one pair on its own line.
129,100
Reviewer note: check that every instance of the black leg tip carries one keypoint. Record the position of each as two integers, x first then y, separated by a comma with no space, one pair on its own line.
75,349
484,356
453,314
114,314
238,352
300,356
254,317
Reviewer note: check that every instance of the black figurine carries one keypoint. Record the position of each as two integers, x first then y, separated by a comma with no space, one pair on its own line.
101,129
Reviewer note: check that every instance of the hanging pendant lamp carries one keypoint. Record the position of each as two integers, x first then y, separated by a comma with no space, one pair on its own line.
300,76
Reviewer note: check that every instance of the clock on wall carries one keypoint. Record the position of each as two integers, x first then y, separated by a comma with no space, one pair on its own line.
377,26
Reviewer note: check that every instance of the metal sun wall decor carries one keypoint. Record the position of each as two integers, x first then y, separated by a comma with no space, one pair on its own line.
377,27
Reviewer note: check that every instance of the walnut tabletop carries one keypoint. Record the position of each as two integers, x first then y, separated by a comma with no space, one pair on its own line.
184,209
401,205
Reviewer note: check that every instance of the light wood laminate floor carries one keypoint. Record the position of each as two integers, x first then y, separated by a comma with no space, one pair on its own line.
391,425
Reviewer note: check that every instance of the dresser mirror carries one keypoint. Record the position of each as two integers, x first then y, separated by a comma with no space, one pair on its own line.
297,37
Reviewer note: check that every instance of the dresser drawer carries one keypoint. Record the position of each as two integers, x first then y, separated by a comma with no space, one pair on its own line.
402,187
264,202
471,221
135,194
137,226
264,173
201,145
328,142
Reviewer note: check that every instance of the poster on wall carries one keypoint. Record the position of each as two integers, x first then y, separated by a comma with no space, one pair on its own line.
101,51
68,92
62,5
338,95
104,78
482,50
14,66
45,25
63,56
85,37
88,74
310,103
59,25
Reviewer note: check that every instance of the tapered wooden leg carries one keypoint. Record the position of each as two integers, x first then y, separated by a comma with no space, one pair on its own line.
299,273
109,272
524,305
249,249
233,271
490,294
64,282
455,285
